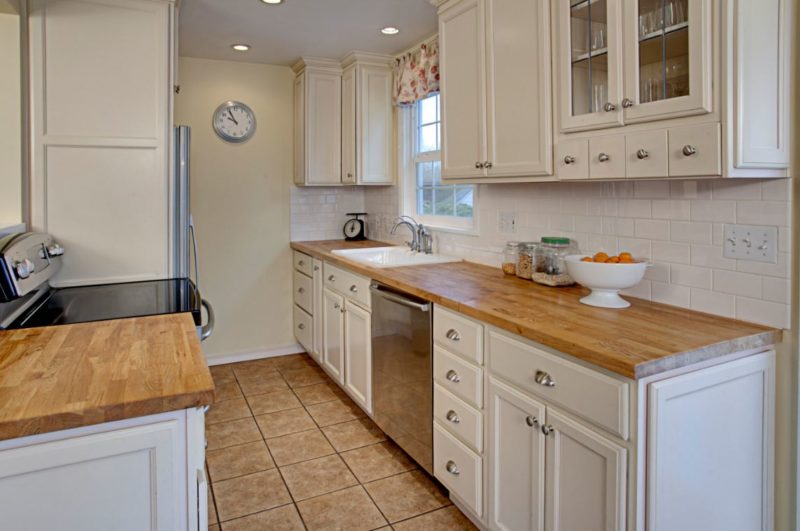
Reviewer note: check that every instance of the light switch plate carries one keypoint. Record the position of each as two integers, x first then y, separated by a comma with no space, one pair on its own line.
753,243
507,222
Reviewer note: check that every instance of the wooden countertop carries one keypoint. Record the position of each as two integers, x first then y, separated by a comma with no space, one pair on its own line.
61,377
643,340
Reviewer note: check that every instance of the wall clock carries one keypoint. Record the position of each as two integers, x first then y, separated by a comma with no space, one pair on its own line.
234,122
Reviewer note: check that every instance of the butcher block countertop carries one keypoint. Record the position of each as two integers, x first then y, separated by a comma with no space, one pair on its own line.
646,339
67,376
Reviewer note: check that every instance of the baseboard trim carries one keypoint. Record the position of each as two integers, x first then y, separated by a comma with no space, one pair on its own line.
255,355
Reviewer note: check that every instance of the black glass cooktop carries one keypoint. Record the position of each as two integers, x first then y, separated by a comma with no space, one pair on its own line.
84,304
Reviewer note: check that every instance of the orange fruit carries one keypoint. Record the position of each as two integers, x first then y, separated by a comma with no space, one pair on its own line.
625,260
625,255
586,259
600,257
614,260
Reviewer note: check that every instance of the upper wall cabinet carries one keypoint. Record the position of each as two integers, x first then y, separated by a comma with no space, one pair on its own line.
496,89
343,121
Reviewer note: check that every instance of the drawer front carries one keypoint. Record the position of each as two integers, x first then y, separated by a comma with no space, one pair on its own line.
352,286
695,150
458,376
572,160
607,157
304,292
459,469
592,395
458,334
646,155
459,418
304,328
303,263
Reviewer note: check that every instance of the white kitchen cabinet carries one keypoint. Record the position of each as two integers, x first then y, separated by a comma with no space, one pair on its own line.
349,152
710,452
317,322
586,478
358,354
140,473
496,89
100,170
333,334
516,459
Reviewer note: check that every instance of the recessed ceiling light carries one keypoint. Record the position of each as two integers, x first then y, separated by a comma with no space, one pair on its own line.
241,47
390,30
272,2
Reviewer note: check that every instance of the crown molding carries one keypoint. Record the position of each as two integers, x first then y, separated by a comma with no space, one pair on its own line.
366,58
318,63
436,3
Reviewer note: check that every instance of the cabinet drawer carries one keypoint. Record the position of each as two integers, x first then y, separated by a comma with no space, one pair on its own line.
458,468
607,157
304,328
572,160
304,292
646,155
590,394
303,263
458,334
695,150
458,376
349,284
459,418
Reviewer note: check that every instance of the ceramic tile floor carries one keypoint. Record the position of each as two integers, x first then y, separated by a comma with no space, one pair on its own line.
287,449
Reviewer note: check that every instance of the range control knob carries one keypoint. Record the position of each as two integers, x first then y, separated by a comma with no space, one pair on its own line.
55,250
24,269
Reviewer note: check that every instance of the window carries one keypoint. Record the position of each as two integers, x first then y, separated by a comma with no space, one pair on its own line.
444,206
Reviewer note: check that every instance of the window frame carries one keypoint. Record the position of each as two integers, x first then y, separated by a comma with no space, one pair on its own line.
408,159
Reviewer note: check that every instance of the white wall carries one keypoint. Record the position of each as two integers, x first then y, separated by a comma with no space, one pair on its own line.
10,109
240,202
320,213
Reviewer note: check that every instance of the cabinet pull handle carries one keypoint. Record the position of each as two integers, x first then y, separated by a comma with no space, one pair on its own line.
316,268
627,103
609,107
542,378
349,175
688,150
301,326
336,306
453,376
452,416
531,421
301,290
488,164
642,154
453,335
331,278
354,288
569,159
603,157
547,430
452,468
479,165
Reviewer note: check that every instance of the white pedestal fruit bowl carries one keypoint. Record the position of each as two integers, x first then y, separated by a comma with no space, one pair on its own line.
605,280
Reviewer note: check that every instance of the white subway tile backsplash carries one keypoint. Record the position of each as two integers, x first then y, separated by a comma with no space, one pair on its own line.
690,232
777,290
635,208
710,256
692,276
737,283
763,312
677,253
715,211
713,302
776,190
731,189
671,209
670,294
652,229
651,189
775,213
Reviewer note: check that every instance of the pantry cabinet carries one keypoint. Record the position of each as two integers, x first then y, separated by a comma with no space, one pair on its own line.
496,89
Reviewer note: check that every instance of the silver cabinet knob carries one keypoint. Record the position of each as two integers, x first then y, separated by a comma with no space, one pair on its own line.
301,290
452,416
452,376
336,305
642,154
531,421
349,175
453,335
627,103
331,278
479,165
603,157
354,288
609,107
301,326
688,150
488,164
301,263
547,430
543,378
569,159
452,468
316,268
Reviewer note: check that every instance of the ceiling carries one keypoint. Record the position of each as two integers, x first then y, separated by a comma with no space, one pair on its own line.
280,34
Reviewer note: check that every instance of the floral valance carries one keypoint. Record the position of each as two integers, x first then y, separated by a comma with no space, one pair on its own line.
416,74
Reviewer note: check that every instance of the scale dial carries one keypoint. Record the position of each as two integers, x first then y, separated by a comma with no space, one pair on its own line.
353,228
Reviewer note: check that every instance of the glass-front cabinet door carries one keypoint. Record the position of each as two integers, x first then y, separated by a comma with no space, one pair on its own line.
667,59
590,64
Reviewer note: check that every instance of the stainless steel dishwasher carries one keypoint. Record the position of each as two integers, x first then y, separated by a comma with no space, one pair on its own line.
402,371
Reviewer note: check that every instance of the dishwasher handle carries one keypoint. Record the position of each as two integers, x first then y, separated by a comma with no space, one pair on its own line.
399,299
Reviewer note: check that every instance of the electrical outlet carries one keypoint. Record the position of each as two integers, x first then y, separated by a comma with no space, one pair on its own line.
746,242
507,222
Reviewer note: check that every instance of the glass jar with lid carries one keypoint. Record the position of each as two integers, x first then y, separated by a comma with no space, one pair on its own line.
527,251
551,267
510,258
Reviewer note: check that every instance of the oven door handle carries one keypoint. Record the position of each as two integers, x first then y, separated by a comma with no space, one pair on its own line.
399,299
208,328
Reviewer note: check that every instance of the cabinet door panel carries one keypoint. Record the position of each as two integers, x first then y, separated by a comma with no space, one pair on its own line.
323,117
585,484
358,355
516,460
462,45
333,334
374,144
518,88
349,126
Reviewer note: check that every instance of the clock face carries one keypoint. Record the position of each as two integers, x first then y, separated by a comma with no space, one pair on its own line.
234,122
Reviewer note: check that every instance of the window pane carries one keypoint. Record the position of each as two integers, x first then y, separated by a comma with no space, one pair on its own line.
464,201
428,110
444,201
428,138
425,174
425,201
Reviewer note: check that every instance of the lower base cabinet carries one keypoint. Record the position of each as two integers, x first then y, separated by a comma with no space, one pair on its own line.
333,334
358,355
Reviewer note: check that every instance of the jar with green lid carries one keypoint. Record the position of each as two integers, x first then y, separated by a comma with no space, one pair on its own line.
510,258
551,268
527,251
